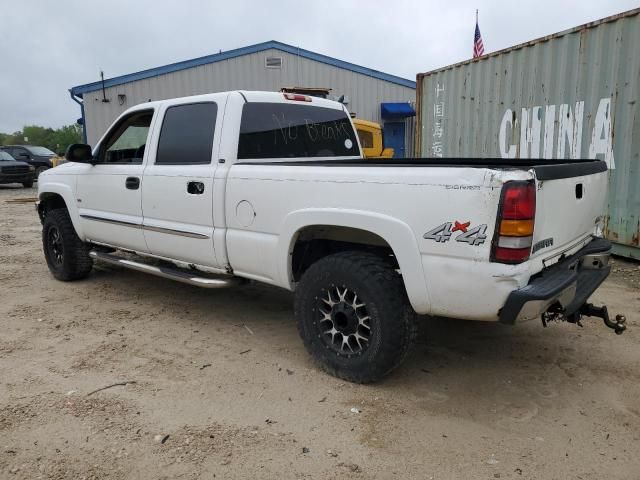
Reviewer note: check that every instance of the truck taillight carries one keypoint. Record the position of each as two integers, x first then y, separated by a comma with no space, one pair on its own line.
297,97
514,228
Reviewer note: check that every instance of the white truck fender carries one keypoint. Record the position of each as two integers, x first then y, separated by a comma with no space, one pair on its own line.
396,233
69,199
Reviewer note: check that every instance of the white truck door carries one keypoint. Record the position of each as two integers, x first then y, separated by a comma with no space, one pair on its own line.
177,187
108,193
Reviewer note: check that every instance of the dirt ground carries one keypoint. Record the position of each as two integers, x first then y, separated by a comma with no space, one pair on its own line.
224,389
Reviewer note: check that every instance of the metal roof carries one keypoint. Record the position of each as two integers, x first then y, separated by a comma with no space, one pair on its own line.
272,44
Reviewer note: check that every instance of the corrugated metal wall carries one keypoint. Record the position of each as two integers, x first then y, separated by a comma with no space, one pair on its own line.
570,95
247,72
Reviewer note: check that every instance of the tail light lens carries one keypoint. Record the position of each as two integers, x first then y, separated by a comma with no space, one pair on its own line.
516,217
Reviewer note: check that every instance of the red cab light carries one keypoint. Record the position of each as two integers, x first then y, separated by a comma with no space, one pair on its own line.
297,97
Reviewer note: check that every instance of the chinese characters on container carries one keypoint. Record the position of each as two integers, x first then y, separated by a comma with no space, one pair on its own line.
438,123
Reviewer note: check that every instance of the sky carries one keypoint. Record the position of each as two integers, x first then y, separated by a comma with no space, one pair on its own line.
47,46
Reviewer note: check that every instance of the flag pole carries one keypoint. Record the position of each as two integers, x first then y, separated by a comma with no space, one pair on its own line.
476,16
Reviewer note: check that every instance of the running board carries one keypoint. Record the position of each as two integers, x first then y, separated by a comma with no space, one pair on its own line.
167,272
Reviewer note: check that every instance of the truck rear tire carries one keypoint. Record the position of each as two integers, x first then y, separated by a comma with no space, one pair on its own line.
354,316
28,184
67,256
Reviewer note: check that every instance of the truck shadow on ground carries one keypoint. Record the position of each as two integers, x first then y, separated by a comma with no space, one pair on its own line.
447,351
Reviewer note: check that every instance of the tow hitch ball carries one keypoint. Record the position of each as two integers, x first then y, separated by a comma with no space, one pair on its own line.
588,309
556,313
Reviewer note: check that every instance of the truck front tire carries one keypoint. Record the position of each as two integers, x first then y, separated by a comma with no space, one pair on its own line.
67,256
354,316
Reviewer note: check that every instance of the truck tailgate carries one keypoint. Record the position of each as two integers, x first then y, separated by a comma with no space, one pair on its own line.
570,204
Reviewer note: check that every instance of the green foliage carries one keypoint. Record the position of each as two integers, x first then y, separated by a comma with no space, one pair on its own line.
57,140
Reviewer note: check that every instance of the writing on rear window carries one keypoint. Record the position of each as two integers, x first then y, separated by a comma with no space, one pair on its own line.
280,130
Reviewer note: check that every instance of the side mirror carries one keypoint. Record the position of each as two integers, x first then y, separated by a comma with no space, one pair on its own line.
79,153
23,155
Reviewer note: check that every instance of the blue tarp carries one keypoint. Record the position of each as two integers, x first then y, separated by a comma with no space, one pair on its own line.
396,110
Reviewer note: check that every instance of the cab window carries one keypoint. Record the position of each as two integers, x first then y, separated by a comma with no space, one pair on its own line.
20,153
186,137
4,156
127,141
284,130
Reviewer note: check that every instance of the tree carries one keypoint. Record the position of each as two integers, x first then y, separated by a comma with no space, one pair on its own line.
38,135
57,140
65,136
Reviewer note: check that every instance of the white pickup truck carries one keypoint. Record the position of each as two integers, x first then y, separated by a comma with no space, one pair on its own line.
219,189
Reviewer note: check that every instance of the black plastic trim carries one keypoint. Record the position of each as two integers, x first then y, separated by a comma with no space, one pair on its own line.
132,183
552,281
569,170
548,170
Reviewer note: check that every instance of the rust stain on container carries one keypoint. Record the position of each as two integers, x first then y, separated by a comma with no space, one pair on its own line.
635,240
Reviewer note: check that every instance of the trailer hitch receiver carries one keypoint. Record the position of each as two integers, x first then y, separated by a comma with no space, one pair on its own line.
618,325
557,313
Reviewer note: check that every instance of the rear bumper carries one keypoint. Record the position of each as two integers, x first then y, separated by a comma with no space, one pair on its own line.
570,283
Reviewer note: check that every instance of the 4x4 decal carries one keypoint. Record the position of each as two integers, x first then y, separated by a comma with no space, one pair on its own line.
473,236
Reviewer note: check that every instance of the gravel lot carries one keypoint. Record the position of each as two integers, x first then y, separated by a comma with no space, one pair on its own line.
223,387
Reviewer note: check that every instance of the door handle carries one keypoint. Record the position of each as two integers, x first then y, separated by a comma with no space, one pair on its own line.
132,183
195,188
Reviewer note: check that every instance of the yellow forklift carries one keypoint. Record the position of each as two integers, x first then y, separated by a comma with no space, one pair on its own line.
371,139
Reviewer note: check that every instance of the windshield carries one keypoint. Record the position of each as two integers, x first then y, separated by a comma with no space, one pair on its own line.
40,151
5,157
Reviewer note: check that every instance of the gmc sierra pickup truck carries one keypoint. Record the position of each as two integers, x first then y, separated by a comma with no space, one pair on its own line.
219,189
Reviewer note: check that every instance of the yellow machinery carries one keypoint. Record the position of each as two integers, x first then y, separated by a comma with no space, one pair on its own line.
57,160
371,141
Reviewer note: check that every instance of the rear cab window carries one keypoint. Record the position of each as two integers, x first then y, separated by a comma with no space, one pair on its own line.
283,130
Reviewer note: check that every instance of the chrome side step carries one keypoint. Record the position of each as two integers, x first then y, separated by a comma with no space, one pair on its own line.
167,272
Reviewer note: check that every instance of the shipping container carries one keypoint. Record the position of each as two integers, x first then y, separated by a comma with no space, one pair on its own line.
573,94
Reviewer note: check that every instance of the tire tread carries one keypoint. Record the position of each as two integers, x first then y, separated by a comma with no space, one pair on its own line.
77,263
392,296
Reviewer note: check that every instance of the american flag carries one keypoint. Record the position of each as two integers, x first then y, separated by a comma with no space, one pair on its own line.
478,47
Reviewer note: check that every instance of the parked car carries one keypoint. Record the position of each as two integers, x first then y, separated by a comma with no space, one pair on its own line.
272,187
12,171
39,157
